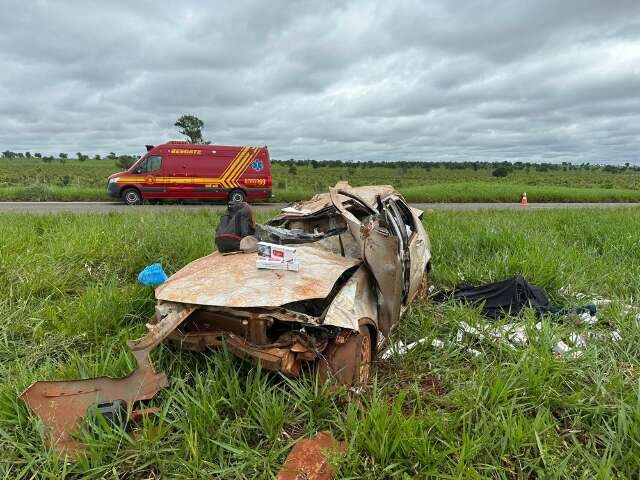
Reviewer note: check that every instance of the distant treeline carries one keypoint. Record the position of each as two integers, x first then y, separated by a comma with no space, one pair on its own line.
499,168
124,161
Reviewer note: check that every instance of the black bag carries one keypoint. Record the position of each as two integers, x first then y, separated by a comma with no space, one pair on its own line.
235,224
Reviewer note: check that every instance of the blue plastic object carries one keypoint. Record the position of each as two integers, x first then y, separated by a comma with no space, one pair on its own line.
153,275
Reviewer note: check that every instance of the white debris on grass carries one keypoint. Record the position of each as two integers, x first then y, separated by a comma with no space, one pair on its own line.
561,348
587,318
513,335
578,340
400,348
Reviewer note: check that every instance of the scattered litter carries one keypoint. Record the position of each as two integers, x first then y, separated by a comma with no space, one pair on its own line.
400,348
587,318
474,352
519,334
152,276
615,336
601,302
492,334
578,340
561,348
310,459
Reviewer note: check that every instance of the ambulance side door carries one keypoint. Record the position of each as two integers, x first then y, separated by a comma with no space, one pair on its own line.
179,179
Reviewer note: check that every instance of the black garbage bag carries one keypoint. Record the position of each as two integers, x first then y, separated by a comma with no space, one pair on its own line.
509,297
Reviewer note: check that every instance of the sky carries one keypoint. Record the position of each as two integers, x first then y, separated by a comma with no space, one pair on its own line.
537,81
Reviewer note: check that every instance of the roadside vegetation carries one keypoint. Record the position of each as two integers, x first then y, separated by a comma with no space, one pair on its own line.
70,302
80,178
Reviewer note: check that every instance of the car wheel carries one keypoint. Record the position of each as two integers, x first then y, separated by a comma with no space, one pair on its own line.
237,196
131,196
349,362
423,289
365,356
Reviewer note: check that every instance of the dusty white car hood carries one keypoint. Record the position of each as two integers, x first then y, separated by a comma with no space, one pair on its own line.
234,281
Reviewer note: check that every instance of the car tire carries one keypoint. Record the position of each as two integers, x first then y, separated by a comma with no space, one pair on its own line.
237,196
423,289
364,356
131,196
349,363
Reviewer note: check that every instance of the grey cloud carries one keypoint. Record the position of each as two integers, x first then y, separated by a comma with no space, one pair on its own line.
363,80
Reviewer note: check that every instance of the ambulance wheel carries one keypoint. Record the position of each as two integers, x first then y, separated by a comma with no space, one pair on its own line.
131,196
237,196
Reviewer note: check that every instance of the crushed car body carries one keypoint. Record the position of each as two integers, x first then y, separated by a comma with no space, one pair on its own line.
364,256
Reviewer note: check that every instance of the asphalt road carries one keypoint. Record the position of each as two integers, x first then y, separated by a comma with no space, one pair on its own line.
106,207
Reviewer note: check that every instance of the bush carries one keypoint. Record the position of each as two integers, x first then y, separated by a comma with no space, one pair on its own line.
500,172
36,192
125,162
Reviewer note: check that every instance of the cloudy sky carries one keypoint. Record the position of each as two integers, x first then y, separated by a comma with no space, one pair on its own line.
552,80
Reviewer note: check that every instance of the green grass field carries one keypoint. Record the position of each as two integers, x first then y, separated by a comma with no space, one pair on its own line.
34,180
70,301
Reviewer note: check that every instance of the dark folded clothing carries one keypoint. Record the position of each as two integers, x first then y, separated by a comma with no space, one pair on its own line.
509,297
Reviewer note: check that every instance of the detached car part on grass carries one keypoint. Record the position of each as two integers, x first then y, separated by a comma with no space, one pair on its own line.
364,257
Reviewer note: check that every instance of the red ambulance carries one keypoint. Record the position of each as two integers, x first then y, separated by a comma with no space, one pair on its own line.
183,170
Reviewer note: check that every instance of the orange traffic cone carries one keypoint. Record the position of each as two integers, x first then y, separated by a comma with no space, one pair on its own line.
523,199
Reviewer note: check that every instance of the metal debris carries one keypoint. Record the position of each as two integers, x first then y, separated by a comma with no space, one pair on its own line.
310,459
61,405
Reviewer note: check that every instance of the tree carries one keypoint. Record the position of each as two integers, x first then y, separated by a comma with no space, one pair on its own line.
63,158
125,161
27,154
293,170
81,157
96,157
191,126
37,155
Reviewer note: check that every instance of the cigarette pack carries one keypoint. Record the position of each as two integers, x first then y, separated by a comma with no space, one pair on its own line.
273,252
293,265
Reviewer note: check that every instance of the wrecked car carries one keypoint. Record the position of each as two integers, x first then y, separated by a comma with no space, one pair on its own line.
363,256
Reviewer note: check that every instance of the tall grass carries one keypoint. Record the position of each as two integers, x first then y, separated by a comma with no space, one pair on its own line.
70,301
